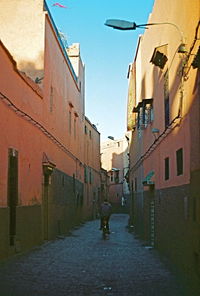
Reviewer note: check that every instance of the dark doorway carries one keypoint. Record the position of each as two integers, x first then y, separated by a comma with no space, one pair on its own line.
47,172
12,192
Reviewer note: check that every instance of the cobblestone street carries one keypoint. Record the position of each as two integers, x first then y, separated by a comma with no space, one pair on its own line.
85,264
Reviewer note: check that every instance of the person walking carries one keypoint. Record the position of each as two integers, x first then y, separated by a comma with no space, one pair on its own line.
105,213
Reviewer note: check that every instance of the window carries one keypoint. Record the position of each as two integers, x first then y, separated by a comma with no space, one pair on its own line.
179,161
117,177
90,177
135,184
86,175
145,114
90,133
149,114
111,176
167,168
70,122
86,130
139,118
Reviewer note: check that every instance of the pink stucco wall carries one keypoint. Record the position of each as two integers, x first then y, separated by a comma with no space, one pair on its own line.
150,84
64,148
18,133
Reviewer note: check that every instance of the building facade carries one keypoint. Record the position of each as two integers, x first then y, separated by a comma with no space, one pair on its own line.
43,140
114,160
164,118
92,172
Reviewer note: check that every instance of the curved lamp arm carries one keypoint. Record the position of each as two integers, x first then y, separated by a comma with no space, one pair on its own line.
126,25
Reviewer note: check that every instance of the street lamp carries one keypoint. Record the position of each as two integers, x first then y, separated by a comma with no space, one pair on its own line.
126,25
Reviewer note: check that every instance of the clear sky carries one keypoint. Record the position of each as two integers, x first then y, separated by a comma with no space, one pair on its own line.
105,52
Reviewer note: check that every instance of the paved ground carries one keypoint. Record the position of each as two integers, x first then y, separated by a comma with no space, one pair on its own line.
85,264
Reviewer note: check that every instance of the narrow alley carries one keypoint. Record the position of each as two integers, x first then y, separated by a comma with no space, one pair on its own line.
85,264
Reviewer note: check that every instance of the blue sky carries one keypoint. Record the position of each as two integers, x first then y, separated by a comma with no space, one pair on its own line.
105,52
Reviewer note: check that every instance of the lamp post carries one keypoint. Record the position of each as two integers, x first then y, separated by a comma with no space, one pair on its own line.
126,25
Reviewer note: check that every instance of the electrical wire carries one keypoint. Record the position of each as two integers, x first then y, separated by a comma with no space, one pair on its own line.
38,125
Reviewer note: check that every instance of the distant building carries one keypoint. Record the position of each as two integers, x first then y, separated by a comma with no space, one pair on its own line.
92,172
104,185
114,159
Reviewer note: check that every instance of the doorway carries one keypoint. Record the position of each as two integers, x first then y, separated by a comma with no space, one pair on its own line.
47,172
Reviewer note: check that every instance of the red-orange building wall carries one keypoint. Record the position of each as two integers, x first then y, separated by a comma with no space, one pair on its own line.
42,148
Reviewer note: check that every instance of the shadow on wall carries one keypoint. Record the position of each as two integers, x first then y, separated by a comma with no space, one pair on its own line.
143,90
31,70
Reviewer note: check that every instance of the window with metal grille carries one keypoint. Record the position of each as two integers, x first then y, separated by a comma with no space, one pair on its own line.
145,114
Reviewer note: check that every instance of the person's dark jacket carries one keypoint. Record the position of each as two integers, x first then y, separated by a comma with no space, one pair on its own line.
106,209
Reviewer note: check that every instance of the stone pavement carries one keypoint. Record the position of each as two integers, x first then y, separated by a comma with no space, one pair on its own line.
85,264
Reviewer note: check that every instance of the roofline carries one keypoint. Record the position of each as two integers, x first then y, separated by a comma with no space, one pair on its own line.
60,42
92,125
137,48
23,76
